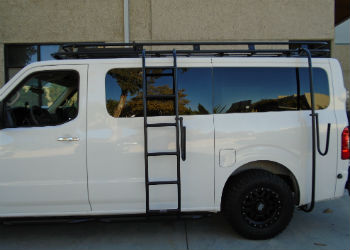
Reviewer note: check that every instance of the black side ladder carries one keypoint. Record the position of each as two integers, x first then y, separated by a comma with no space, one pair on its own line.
174,97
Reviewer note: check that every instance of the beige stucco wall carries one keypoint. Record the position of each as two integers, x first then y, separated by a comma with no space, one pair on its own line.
242,19
60,20
39,21
140,20
203,20
342,53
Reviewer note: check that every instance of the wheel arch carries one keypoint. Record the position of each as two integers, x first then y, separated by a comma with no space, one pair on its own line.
269,166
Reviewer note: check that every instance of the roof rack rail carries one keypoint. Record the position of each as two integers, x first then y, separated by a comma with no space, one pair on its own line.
134,49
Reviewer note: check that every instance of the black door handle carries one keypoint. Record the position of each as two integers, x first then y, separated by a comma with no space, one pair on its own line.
183,139
318,137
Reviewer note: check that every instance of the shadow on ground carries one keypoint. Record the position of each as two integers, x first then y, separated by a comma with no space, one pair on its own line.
325,228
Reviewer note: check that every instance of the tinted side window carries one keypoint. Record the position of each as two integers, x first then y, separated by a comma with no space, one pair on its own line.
195,84
321,88
241,90
124,92
43,99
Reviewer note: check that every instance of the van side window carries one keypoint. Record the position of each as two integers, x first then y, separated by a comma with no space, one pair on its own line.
196,86
321,88
124,92
243,90
45,98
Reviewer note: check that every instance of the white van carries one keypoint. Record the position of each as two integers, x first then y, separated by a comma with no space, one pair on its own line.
76,137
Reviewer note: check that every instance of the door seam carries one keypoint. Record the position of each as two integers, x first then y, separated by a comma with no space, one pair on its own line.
86,136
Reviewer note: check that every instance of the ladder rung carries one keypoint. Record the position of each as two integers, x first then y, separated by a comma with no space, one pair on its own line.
161,153
159,74
162,182
163,211
161,124
160,96
160,67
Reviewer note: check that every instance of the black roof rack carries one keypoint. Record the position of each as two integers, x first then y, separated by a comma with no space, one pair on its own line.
134,49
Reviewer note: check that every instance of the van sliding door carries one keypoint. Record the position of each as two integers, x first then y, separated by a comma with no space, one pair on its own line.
116,162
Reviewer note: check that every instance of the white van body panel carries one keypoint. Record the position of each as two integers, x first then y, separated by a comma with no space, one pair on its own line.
38,174
217,146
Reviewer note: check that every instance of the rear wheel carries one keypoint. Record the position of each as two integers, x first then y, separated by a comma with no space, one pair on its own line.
258,204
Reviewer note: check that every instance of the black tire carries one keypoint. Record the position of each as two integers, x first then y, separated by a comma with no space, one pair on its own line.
258,204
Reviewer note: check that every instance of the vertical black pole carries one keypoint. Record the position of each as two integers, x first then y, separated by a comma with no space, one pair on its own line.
177,133
313,116
144,86
40,82
298,89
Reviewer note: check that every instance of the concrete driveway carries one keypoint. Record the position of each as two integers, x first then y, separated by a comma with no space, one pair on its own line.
327,227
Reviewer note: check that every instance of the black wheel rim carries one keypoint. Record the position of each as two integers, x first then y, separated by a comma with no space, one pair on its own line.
261,207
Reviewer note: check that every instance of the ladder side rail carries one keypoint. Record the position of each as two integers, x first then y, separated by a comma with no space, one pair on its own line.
144,99
176,107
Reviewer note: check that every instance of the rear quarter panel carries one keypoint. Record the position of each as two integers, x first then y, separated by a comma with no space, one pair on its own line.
280,137
342,121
